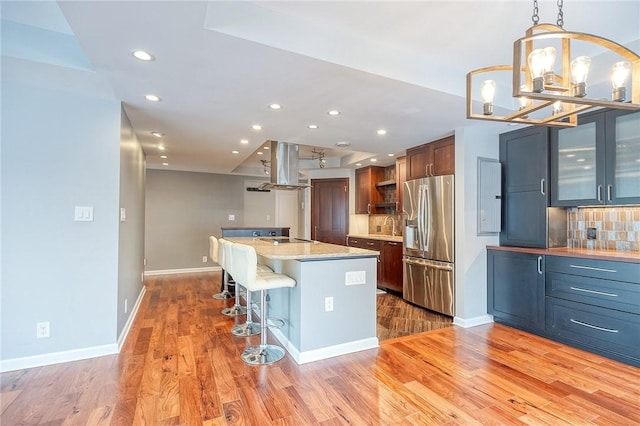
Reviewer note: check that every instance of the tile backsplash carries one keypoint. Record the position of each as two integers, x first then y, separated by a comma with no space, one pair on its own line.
377,224
617,228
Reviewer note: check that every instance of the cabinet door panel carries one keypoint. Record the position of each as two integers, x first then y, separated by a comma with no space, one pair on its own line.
417,160
515,289
443,157
623,157
392,266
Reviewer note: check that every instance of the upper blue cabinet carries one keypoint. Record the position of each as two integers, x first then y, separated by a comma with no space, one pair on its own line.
597,162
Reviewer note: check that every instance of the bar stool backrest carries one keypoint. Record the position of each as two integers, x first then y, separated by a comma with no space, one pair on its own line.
213,248
224,254
244,264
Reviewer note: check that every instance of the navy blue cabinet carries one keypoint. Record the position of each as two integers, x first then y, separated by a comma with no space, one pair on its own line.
515,289
524,157
595,305
595,163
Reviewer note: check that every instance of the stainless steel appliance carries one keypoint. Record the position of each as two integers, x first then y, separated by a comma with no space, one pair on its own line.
429,243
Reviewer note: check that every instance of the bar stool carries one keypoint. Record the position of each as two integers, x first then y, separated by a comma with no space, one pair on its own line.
215,255
227,258
245,264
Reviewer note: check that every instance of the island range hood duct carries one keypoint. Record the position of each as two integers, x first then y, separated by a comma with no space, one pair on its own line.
284,167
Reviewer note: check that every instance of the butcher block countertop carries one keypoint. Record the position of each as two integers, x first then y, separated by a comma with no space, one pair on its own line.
392,238
617,255
311,250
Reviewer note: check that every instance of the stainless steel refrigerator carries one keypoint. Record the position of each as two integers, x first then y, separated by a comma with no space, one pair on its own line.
429,243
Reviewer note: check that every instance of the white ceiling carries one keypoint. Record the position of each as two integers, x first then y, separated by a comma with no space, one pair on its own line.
395,65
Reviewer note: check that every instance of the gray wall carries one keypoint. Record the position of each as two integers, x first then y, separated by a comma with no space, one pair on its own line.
182,210
59,150
131,235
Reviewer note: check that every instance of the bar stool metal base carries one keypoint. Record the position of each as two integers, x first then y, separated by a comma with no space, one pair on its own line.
262,354
234,311
246,329
223,295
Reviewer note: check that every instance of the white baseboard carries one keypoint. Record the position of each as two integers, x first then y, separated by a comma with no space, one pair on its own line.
324,353
131,319
181,271
472,322
57,357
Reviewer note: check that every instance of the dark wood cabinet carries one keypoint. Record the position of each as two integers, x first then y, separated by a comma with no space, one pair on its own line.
431,159
524,157
401,177
595,163
391,260
368,244
367,194
515,289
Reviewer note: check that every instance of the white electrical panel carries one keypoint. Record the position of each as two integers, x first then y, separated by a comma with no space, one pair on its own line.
489,196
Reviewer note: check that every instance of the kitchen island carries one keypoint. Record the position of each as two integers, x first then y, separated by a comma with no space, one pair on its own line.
316,328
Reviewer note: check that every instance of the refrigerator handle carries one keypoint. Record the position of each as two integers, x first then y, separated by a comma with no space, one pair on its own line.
429,212
419,219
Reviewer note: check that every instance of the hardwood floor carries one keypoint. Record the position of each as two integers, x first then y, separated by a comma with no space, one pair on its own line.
397,318
181,366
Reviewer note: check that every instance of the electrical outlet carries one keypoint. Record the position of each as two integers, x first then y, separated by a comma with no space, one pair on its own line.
591,233
328,304
204,259
42,330
232,217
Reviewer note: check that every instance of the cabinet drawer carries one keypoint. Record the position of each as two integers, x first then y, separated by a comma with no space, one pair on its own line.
606,269
605,330
365,243
621,296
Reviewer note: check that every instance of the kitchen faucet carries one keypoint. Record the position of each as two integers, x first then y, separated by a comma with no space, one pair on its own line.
393,224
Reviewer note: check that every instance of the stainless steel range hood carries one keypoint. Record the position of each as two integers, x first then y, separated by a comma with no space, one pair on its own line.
284,167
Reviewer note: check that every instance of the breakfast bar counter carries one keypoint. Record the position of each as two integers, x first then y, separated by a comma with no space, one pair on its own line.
332,309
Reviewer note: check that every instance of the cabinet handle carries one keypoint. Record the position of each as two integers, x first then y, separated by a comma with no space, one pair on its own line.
609,193
542,186
368,208
392,244
591,268
586,290
370,244
426,169
431,168
540,265
600,193
584,324
397,207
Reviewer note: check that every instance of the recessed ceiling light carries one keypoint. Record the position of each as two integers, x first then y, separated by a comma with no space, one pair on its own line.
161,147
157,134
343,144
165,164
244,141
142,55
373,160
234,152
256,127
580,160
570,155
265,147
259,153
390,155
333,112
358,164
152,98
275,106
163,156
382,132
312,126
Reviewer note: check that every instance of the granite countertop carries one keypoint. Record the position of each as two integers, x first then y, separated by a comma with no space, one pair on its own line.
313,250
617,255
394,238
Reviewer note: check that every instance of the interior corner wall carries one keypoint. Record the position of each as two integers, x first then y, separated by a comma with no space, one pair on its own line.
470,252
131,233
182,210
59,150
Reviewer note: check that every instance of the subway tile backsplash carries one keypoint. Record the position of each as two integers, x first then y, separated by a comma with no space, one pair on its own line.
617,228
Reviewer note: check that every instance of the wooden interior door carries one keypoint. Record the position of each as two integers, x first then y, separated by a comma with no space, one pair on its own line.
330,210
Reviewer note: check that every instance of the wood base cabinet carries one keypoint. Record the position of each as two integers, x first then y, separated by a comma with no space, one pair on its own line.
389,262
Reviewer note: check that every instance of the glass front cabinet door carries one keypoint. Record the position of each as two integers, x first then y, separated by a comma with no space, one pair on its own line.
597,162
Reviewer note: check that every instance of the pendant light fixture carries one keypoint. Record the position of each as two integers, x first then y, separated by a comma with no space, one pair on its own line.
549,93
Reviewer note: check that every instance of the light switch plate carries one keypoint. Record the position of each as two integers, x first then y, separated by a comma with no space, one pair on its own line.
83,214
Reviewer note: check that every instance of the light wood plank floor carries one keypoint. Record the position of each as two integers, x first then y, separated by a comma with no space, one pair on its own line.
180,366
